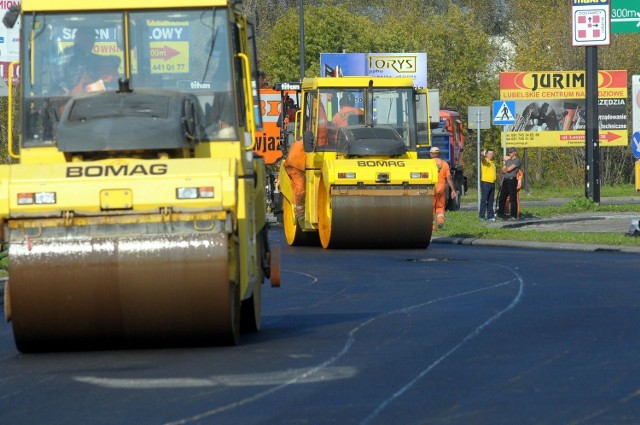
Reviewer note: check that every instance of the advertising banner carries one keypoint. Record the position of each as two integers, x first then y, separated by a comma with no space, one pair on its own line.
268,141
550,108
9,48
412,65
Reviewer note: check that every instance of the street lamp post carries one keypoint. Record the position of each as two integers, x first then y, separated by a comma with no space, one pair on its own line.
301,24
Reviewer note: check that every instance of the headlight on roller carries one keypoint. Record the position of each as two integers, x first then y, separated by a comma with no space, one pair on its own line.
194,192
419,175
37,198
346,175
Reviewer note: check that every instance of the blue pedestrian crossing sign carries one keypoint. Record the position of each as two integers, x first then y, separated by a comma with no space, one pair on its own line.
504,112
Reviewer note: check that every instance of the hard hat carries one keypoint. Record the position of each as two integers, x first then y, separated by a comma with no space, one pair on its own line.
434,149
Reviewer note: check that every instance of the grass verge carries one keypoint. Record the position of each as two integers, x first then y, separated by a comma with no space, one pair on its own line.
465,224
546,193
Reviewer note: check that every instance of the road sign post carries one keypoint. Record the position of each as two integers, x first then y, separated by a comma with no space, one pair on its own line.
504,113
479,119
635,144
591,23
592,133
591,28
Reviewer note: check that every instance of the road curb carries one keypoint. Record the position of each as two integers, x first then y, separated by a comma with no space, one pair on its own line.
536,245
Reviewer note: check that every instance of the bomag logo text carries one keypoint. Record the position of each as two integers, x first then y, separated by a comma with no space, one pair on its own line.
400,64
117,170
381,163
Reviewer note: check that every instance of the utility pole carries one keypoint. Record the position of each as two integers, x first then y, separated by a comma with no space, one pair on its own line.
591,28
301,25
592,136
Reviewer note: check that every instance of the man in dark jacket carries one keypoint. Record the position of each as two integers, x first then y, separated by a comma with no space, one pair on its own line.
509,185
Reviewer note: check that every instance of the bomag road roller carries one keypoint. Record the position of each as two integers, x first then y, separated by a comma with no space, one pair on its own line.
134,211
363,185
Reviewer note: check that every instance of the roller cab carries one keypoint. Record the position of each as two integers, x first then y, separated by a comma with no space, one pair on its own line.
134,211
364,184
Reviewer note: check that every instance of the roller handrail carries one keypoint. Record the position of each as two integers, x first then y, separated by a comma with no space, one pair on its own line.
249,104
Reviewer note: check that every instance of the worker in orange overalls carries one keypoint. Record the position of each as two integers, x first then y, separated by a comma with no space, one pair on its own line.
289,112
347,108
444,178
294,165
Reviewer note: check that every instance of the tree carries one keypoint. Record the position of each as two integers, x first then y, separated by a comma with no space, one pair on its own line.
491,15
327,29
461,59
461,56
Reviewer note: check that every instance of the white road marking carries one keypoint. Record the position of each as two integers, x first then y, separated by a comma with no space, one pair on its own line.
320,372
251,379
455,348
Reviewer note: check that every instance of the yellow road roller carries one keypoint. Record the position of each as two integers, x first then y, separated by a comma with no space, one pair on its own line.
353,178
134,210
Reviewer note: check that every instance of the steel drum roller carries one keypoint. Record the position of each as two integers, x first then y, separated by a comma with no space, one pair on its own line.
373,219
130,291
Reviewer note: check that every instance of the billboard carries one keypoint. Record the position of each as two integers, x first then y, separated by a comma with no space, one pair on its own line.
412,65
550,108
268,140
9,47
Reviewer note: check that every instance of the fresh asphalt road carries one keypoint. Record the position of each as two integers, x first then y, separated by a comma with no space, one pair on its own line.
448,335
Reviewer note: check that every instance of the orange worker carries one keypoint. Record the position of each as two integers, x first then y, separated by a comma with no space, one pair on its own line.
290,109
347,108
294,165
288,112
444,178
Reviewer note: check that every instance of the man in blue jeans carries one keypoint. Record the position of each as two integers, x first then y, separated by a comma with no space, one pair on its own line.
487,185
509,185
